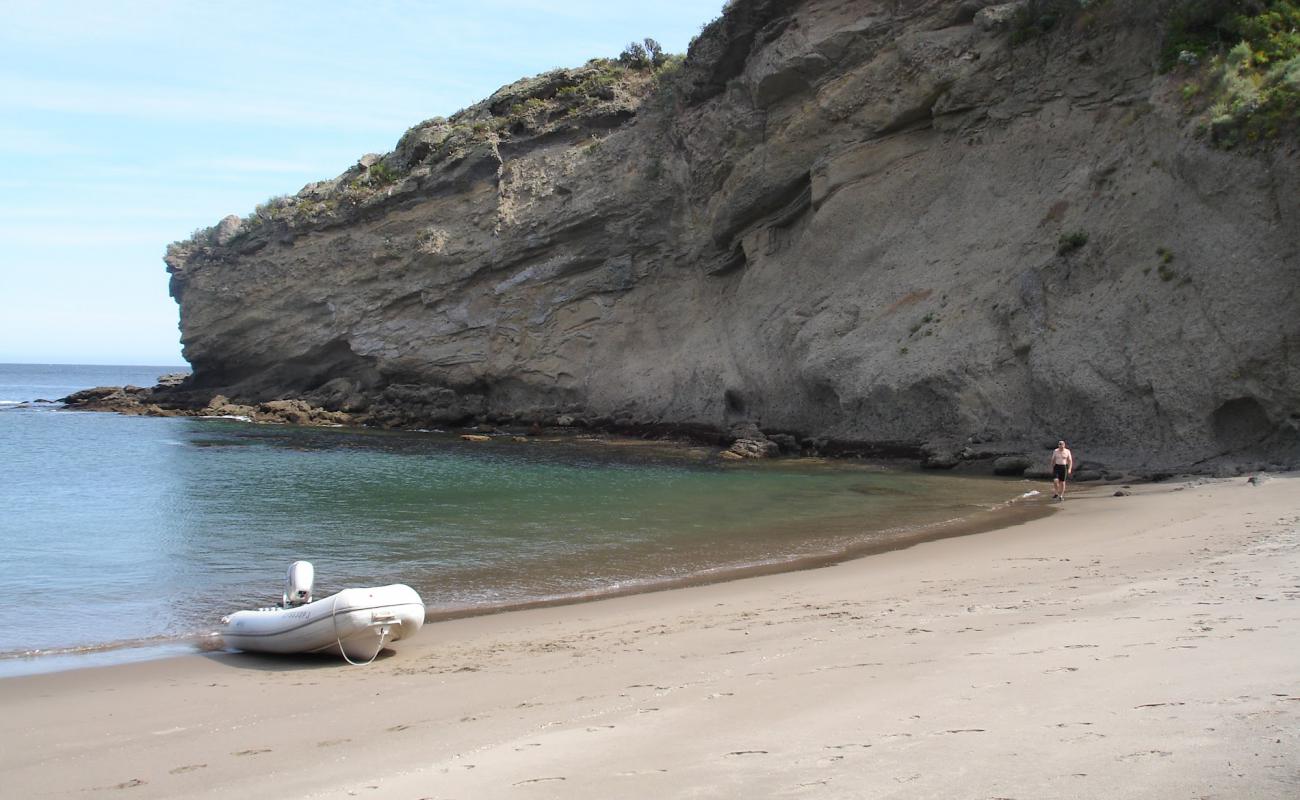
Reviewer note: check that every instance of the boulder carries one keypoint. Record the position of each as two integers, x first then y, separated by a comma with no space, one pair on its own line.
475,437
298,412
171,379
754,448
939,457
786,442
1011,465
96,394
996,17
227,229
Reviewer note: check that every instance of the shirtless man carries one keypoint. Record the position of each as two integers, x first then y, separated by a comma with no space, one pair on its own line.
1062,468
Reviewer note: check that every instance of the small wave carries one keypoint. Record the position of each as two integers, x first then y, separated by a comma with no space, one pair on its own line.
236,417
11,402
1031,493
195,639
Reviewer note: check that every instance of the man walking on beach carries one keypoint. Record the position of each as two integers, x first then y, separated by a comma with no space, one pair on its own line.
1062,468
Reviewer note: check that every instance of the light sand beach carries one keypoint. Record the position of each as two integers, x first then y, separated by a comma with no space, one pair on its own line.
1145,646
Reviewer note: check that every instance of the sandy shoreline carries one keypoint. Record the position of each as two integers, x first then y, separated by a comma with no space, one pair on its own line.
1142,646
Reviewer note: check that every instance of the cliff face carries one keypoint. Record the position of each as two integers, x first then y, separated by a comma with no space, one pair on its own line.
881,224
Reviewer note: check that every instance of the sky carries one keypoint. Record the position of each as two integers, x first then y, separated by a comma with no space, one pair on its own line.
126,125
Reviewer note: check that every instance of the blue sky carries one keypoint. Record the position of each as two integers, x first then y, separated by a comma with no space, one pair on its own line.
125,125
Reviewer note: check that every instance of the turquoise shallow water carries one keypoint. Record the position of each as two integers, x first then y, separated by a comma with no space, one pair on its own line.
128,530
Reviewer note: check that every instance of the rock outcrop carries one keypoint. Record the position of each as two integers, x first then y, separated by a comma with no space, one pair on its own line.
879,227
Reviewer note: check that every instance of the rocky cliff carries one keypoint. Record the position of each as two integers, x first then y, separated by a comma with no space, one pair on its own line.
906,226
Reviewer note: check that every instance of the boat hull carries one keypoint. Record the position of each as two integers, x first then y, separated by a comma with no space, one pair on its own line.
355,623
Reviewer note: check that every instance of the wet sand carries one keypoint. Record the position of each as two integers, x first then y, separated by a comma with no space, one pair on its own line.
1143,646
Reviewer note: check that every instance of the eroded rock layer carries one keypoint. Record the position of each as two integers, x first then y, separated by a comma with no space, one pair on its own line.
891,226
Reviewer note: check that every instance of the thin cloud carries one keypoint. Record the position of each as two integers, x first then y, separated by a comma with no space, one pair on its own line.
184,106
38,143
60,212
266,166
81,236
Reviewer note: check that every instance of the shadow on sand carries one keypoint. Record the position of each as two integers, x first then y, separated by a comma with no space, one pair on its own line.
273,662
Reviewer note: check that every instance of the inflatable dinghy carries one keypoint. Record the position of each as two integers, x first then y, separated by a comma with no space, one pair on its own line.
355,623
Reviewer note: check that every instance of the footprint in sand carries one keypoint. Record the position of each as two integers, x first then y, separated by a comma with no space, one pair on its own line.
397,728
187,768
747,753
131,784
1146,754
257,751
538,780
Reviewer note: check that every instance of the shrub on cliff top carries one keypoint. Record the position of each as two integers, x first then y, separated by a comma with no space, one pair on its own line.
643,55
381,174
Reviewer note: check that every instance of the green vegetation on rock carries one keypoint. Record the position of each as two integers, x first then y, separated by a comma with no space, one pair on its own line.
1034,18
1069,242
1243,63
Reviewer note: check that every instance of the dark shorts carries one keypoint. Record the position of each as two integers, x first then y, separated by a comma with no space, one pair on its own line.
1059,471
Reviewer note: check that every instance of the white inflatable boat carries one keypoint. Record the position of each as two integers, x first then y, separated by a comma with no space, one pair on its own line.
355,623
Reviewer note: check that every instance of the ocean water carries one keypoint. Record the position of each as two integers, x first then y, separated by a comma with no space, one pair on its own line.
124,536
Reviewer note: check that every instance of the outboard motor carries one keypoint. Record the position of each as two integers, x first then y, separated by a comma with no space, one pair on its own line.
298,584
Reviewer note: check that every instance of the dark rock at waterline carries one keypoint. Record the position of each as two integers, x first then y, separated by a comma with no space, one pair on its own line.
99,394
940,460
171,379
1011,465
786,442
754,448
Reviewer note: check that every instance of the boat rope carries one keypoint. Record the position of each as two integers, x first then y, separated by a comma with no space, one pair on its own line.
334,617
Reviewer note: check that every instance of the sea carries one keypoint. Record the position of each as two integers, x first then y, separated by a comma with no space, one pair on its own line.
125,538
